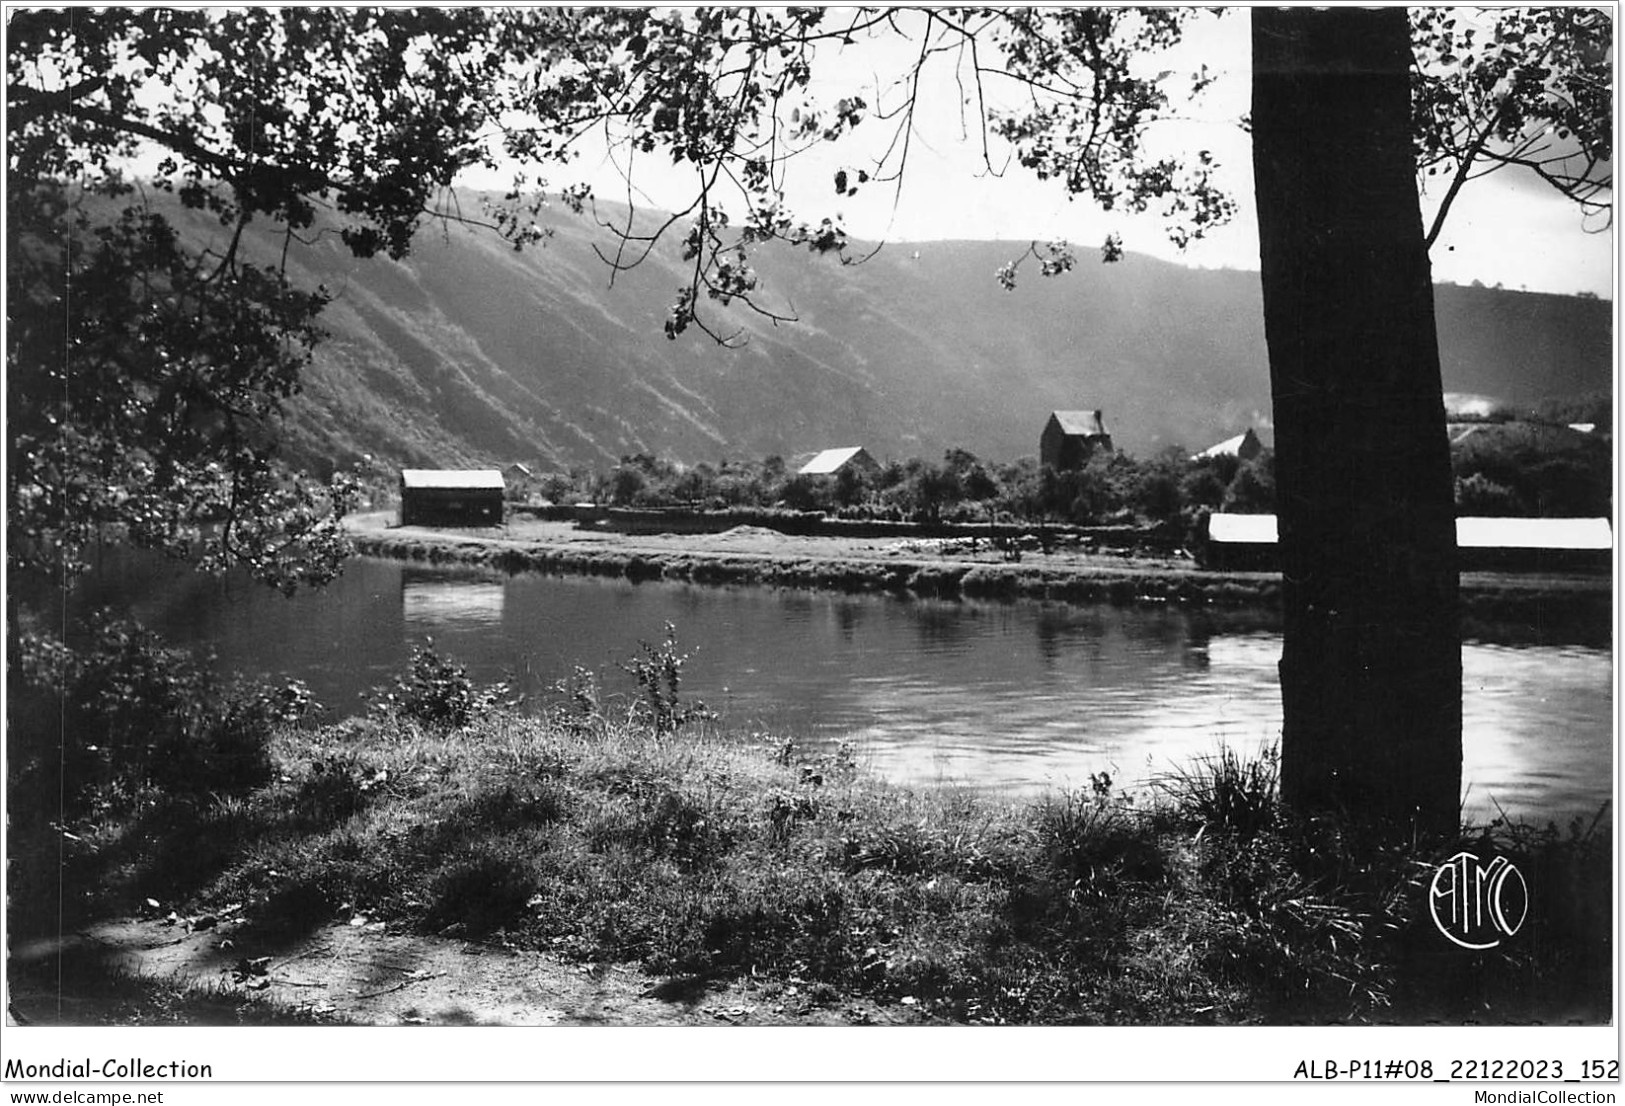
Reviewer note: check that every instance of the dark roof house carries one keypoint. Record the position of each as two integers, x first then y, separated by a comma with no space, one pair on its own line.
1071,436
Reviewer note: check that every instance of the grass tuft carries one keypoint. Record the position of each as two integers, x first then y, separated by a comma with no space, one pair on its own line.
1228,794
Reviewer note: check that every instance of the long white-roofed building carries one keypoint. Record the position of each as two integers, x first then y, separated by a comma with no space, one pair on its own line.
1245,542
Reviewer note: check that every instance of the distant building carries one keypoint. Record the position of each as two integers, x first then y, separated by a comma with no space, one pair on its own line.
1245,446
451,497
1524,435
832,461
1574,535
1248,542
1070,437
1239,543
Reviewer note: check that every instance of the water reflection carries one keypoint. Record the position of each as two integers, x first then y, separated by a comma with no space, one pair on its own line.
1011,698
848,617
430,603
1111,705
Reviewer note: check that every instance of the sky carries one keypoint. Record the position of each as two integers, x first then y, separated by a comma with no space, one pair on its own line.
1501,230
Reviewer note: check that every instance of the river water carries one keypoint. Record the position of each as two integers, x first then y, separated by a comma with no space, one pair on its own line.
1013,698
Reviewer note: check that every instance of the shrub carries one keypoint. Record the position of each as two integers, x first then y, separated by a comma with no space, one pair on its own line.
578,695
1203,486
1477,494
437,691
1527,468
658,671
123,713
1252,492
807,493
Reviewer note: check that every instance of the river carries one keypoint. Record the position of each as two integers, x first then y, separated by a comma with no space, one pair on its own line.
1012,698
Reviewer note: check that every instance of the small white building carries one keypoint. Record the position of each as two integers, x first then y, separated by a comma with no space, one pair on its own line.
451,497
1593,534
1244,445
832,461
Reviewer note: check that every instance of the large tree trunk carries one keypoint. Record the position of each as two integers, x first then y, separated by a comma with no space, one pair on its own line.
1371,664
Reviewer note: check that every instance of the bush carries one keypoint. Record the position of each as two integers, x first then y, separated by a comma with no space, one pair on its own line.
123,713
437,691
807,493
1477,494
1252,491
578,706
658,670
1526,468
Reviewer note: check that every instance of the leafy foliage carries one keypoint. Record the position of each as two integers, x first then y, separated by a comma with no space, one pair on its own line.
102,721
1525,468
1089,112
146,365
1528,88
158,413
737,95
730,94
1252,489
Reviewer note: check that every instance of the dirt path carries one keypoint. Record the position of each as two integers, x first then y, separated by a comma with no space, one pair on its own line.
363,973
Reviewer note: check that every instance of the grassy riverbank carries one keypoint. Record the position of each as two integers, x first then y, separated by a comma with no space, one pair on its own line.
634,833
1569,608
761,558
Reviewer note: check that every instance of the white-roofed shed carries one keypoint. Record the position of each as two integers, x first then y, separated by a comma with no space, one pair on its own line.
832,461
451,497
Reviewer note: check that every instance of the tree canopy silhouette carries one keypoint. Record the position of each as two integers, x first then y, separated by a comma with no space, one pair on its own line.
147,360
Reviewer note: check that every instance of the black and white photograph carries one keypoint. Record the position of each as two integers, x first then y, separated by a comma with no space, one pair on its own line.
861,520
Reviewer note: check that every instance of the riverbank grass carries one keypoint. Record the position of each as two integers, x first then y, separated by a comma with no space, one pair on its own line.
636,832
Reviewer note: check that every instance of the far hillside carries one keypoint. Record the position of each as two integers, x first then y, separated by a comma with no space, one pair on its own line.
467,352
